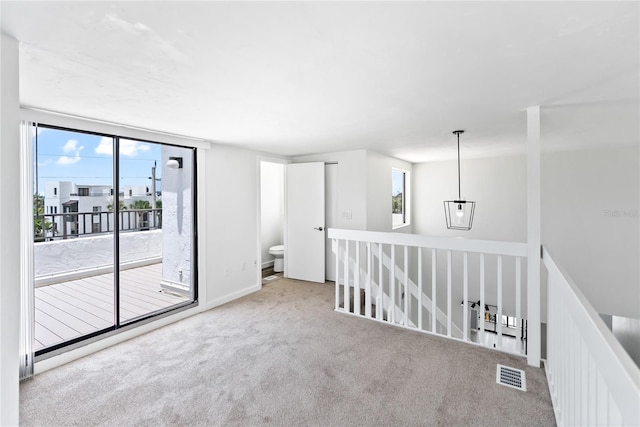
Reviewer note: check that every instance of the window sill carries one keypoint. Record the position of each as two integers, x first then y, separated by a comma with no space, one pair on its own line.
396,227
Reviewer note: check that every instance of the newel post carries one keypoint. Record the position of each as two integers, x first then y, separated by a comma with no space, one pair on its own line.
533,236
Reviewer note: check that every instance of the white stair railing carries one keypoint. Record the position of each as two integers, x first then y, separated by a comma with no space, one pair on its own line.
366,262
424,300
591,378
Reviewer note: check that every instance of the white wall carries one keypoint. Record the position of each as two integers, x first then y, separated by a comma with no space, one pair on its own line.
497,185
232,223
177,218
9,231
271,207
590,223
627,332
379,191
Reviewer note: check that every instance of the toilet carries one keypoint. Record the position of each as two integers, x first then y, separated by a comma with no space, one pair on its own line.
278,253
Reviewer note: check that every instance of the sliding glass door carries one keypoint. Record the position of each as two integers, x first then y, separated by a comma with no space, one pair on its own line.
113,233
156,237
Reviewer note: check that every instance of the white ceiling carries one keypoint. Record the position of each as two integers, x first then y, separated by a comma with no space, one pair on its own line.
305,77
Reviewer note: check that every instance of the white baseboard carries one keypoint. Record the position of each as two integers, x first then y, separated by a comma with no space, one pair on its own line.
267,264
233,296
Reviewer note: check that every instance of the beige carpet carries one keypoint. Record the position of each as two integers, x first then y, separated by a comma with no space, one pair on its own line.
283,357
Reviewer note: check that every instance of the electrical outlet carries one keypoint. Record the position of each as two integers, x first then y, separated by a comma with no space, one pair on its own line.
347,215
244,266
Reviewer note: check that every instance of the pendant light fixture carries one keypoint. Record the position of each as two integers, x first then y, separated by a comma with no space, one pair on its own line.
459,212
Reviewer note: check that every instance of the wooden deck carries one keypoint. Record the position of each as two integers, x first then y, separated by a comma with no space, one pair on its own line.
68,310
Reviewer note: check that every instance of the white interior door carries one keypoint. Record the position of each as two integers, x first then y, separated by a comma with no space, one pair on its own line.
305,245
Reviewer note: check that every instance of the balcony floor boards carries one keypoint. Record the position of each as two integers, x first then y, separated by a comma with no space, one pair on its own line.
68,310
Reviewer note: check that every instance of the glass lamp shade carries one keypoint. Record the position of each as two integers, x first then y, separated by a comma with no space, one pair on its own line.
459,214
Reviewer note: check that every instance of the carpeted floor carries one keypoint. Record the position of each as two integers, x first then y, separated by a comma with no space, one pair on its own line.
283,357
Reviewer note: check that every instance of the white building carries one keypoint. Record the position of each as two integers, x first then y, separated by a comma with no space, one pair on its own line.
93,205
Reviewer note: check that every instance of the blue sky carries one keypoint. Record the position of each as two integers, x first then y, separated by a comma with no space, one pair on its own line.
87,159
396,182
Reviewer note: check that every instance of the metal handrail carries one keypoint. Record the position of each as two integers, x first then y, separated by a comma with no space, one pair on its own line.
70,225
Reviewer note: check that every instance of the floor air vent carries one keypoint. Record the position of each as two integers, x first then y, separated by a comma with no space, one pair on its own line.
511,377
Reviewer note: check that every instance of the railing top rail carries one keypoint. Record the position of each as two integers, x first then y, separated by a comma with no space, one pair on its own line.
587,315
418,240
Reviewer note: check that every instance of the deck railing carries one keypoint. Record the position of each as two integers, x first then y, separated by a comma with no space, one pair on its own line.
77,224
401,278
592,380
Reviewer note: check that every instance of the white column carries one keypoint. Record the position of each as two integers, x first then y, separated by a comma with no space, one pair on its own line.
533,236
9,231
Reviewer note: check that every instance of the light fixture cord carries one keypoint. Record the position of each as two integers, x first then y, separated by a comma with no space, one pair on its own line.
459,196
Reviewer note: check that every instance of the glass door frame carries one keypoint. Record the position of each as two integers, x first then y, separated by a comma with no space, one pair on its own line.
119,326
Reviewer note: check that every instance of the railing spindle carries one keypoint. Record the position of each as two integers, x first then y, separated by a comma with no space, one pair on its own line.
407,295
481,308
448,293
367,296
336,248
434,267
499,314
420,288
356,282
518,296
392,286
347,299
380,303
465,297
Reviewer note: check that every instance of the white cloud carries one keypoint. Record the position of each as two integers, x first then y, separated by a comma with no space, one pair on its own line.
66,160
128,147
71,146
105,146
132,148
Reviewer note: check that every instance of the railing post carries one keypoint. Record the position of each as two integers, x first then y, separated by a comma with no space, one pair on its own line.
533,236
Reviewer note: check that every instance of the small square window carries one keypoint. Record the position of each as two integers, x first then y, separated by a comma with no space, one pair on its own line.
97,208
399,198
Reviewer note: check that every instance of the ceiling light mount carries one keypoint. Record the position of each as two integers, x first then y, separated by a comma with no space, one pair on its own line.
459,212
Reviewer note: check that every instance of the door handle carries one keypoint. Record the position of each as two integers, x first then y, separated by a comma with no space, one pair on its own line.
318,228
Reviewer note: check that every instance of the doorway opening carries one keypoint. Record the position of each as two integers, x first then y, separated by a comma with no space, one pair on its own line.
272,219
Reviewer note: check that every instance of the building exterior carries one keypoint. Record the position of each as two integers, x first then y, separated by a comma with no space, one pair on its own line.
92,208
